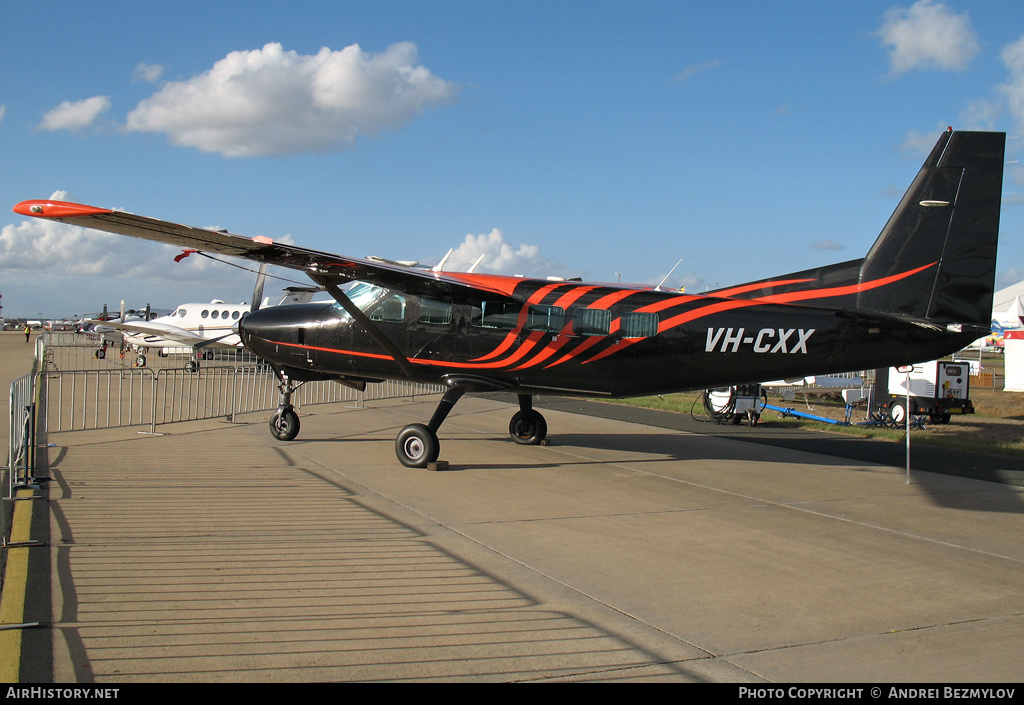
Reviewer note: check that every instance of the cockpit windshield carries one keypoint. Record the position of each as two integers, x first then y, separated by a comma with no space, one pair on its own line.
363,295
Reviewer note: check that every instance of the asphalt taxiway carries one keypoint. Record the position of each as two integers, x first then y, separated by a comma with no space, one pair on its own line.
619,552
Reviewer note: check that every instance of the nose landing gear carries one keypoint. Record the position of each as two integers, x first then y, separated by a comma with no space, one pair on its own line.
284,424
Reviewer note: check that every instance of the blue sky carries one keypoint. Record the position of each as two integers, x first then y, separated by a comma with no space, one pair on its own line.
594,139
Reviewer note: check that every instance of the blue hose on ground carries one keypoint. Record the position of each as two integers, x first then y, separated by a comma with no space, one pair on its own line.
793,412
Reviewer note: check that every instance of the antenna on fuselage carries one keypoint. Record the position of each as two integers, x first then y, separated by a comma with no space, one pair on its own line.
658,288
440,265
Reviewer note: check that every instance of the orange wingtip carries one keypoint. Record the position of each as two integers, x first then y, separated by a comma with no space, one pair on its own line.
56,209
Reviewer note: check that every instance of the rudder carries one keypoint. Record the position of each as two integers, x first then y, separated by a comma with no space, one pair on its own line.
940,242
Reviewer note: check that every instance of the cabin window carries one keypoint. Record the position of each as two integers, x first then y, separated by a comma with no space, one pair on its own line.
496,314
214,314
392,309
639,325
234,315
205,314
545,318
437,313
591,321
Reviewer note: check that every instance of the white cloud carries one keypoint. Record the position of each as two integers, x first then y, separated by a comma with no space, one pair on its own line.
501,257
275,102
981,114
918,145
1013,179
48,246
927,35
63,269
826,245
75,115
3,110
690,71
148,73
1013,89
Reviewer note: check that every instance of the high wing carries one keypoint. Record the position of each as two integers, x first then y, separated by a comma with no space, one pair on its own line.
165,331
323,267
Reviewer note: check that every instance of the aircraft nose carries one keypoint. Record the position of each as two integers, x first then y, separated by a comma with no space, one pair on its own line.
266,331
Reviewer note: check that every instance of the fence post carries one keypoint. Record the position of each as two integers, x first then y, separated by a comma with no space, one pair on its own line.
152,406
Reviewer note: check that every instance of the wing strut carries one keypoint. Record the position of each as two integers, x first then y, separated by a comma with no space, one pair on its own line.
373,331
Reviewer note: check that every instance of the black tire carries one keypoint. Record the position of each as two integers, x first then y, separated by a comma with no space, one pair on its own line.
140,361
284,425
528,428
942,417
417,446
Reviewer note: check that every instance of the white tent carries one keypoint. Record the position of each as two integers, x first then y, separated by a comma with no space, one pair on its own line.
1012,316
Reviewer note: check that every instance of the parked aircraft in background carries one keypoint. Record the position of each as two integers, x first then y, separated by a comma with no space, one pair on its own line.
195,328
923,290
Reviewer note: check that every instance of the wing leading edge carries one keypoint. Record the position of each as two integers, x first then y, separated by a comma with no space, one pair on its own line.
323,267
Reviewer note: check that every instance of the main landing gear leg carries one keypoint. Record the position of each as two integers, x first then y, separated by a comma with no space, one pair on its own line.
417,445
284,424
527,426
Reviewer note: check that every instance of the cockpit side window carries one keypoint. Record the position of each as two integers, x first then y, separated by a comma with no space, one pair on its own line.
392,309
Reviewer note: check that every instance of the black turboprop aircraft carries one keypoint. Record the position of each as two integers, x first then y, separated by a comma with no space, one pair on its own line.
924,290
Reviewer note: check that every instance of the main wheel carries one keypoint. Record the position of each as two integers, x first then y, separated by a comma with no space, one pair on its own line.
284,425
416,446
140,361
528,428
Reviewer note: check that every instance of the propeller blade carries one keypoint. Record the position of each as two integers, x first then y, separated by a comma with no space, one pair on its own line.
257,294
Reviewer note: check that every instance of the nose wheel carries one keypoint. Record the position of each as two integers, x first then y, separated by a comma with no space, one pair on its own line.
284,424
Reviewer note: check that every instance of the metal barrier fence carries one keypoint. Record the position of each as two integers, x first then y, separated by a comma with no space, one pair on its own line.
86,390
21,443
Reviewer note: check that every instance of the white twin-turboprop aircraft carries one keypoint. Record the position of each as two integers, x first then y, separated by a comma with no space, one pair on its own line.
197,327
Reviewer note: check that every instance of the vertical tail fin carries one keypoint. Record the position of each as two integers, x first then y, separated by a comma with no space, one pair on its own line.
938,249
